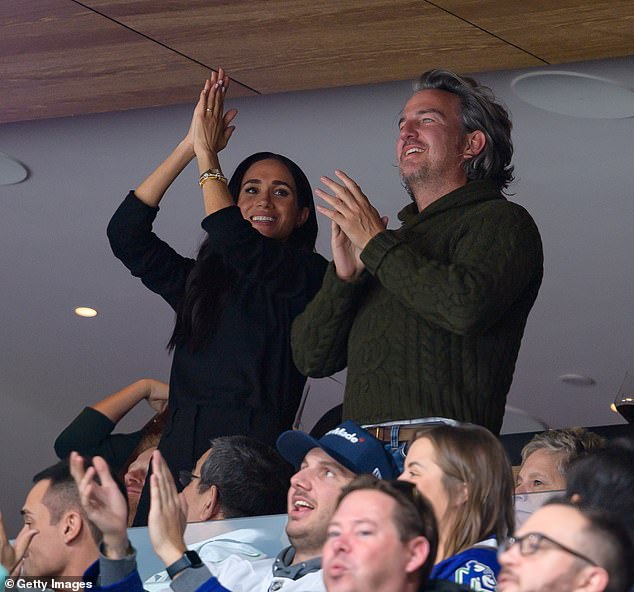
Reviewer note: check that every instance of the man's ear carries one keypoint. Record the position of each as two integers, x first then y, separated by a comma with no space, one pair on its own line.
474,144
418,552
211,508
592,579
71,525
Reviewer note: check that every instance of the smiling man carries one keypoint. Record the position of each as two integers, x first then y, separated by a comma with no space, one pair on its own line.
428,318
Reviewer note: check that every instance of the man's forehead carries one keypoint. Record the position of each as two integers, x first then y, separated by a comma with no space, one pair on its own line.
318,456
369,503
201,460
35,496
431,99
561,522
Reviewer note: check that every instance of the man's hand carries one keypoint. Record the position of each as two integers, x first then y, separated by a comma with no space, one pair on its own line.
11,556
346,256
354,222
168,513
103,503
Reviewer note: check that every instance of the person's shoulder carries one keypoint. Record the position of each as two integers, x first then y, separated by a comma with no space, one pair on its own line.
476,567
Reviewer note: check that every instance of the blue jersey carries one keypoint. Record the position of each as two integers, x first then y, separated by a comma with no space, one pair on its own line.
476,567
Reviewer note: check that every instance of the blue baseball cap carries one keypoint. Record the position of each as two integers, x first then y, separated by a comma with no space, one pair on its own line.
349,444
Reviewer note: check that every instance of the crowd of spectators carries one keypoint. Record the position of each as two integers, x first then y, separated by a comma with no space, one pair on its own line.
447,523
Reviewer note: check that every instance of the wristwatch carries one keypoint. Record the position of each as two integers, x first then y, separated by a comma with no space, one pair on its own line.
189,559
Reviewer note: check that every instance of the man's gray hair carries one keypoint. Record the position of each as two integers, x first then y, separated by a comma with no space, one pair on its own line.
479,111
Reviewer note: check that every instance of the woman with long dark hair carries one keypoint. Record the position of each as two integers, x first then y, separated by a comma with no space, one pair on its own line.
232,370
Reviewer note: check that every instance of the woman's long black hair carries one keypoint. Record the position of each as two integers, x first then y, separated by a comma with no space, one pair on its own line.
210,281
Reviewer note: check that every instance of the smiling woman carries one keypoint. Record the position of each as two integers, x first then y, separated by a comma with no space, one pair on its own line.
232,370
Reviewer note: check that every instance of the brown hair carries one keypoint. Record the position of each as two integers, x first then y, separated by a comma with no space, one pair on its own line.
413,514
471,455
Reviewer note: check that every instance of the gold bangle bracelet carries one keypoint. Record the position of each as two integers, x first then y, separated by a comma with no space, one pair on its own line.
212,178
214,174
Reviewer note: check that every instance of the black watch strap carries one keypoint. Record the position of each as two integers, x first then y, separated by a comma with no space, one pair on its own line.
189,559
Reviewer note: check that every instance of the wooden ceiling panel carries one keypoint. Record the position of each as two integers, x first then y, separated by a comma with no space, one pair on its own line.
66,57
279,45
59,59
558,32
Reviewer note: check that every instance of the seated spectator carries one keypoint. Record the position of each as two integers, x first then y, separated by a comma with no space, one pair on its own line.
564,547
604,479
57,539
465,473
382,538
325,467
216,490
128,455
547,456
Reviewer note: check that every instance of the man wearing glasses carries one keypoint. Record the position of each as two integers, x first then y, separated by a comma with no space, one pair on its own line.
564,547
216,490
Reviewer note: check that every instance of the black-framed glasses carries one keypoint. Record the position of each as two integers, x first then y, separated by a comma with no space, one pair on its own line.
530,543
186,477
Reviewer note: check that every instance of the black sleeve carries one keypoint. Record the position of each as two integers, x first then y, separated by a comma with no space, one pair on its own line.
160,267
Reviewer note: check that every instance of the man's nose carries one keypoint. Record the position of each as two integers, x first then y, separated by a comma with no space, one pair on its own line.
301,479
341,543
407,130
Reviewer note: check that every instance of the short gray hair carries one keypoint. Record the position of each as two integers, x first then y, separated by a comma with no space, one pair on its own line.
572,443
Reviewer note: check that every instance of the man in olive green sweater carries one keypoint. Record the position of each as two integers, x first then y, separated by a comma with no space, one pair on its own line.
428,318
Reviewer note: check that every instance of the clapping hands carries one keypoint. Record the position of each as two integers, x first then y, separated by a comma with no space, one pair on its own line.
211,128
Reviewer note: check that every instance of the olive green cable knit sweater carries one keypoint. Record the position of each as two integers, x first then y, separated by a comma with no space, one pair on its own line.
433,326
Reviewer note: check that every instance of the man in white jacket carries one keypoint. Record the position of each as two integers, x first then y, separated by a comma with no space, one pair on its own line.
325,466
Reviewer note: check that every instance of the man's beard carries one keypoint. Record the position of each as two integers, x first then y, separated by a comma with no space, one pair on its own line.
309,540
419,177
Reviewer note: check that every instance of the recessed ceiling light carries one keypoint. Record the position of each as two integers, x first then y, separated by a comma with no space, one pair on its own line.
11,170
84,311
613,407
575,94
577,379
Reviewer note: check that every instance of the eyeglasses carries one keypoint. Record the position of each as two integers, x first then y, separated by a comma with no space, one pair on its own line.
186,477
530,543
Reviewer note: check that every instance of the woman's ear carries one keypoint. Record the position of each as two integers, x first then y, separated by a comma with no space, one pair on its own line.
461,494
